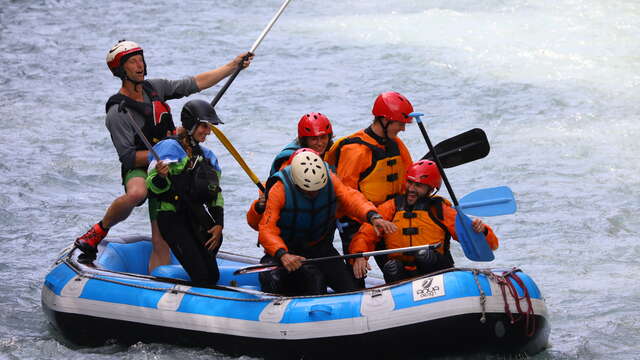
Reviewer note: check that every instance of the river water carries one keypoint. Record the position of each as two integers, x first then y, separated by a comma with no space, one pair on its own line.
554,84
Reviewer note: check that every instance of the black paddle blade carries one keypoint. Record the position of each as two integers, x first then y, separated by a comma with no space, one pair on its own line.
462,148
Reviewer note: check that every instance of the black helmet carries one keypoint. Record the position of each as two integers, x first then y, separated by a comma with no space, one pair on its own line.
197,111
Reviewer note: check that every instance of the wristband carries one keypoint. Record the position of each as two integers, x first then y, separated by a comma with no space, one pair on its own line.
374,216
279,253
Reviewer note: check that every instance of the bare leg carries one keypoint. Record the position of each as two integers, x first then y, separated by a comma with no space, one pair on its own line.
119,210
160,250
121,207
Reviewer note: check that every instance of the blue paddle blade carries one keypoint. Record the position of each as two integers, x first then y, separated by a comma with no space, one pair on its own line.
489,202
474,245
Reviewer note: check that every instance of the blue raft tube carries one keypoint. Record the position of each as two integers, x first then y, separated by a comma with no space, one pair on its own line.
458,310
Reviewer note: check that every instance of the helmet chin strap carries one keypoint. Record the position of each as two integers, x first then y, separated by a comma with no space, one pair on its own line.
384,130
192,141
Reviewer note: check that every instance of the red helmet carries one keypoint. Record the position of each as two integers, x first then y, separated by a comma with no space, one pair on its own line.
393,106
302,150
120,53
425,172
314,124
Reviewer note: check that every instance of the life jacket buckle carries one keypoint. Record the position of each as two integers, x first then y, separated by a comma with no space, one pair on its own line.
409,215
410,231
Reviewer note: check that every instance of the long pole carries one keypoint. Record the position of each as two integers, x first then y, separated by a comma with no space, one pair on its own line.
268,267
146,142
232,150
264,32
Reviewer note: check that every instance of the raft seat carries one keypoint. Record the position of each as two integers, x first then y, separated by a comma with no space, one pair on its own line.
131,257
134,258
171,271
226,275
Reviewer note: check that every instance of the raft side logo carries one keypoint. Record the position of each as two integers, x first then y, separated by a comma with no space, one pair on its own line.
428,288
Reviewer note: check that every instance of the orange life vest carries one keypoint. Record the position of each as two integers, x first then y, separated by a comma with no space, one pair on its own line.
418,225
384,178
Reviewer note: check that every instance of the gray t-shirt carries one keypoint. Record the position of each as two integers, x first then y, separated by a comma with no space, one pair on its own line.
119,125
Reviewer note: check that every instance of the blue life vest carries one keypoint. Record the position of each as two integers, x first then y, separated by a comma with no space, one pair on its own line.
283,156
305,222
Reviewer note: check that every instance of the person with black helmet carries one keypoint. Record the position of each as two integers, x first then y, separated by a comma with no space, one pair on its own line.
145,102
186,183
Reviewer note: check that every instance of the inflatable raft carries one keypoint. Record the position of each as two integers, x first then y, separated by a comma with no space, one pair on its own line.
457,310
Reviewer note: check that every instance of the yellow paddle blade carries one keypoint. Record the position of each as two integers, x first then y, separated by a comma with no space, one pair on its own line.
232,150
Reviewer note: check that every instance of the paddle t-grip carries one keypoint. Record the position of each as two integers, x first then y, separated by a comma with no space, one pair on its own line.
436,157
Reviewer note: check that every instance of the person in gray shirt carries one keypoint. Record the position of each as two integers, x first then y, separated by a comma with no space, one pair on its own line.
144,100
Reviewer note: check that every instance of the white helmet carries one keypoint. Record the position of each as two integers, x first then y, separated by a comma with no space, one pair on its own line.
119,54
308,170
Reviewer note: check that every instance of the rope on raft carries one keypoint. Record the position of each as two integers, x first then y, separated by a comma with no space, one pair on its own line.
506,280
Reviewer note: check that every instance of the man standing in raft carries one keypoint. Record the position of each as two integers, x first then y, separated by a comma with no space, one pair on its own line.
145,102
299,222
422,219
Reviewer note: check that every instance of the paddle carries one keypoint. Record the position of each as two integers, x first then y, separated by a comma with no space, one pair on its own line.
223,139
462,148
489,202
269,267
473,244
146,142
264,32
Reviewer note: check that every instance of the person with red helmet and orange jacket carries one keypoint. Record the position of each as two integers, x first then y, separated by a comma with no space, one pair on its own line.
374,160
299,223
422,219
314,132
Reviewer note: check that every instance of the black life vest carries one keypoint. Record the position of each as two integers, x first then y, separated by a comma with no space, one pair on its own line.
197,183
158,121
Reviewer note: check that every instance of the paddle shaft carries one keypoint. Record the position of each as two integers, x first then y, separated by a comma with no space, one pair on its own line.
121,108
269,267
232,150
436,157
264,32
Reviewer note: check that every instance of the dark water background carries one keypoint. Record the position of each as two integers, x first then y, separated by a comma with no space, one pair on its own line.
553,83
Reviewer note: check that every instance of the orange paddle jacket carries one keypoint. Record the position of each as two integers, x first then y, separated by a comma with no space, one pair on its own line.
349,201
358,168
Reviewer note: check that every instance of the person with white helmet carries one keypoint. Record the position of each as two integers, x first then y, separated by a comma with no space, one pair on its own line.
314,132
143,100
374,160
299,223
